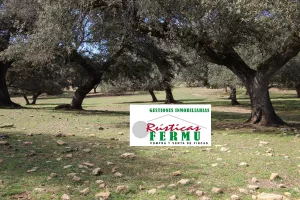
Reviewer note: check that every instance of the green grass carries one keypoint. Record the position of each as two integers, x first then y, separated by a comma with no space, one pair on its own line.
153,165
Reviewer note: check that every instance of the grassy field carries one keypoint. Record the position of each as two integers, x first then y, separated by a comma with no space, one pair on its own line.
100,134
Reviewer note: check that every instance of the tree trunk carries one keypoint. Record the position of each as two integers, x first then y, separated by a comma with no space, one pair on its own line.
35,97
234,101
81,93
262,110
26,99
4,95
94,77
298,90
169,96
151,91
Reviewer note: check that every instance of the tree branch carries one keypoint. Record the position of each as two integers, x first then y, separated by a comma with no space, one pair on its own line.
289,50
113,59
80,60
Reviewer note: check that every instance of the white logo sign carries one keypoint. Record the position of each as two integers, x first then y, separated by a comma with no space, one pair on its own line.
170,125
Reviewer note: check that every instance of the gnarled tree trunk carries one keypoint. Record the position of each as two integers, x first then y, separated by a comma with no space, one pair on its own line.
35,97
234,101
151,91
169,96
168,88
5,100
298,90
262,110
95,77
81,93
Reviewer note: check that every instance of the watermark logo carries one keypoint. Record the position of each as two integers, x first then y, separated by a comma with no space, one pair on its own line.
170,125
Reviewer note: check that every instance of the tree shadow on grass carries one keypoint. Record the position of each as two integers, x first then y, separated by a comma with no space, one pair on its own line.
285,105
67,94
94,112
48,157
229,116
279,105
193,100
293,97
219,103
91,95
142,102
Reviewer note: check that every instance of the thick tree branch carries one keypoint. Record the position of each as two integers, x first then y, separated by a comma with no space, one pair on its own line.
113,59
289,50
88,65
237,65
80,60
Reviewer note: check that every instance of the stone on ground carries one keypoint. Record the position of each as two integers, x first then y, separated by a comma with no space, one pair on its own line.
122,188
183,181
205,198
118,174
51,176
199,193
103,195
71,175
244,164
263,142
65,197
274,176
235,197
4,143
97,171
152,191
85,191
243,191
173,197
216,190
141,187
61,143
69,155
39,190
68,166
109,163
254,180
269,196
177,173
281,186
224,149
114,170
32,170
99,181
253,187
171,186
161,186
76,178
128,155
88,164
87,150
